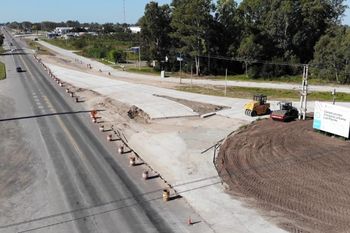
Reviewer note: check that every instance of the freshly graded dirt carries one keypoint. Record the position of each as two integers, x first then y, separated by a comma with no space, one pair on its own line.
199,107
290,171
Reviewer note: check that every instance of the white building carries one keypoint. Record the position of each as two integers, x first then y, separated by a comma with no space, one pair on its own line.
135,29
62,30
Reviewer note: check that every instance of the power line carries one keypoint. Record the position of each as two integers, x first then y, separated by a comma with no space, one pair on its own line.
265,62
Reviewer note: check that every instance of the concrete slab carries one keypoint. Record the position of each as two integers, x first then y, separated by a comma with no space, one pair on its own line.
139,95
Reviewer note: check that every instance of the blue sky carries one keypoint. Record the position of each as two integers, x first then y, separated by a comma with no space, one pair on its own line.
83,10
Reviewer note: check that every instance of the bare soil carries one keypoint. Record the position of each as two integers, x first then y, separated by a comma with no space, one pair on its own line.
289,170
199,107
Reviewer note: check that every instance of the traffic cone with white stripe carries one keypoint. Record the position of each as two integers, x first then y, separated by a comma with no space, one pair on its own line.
189,221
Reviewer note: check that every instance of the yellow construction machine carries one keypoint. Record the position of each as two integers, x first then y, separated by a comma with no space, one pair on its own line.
258,106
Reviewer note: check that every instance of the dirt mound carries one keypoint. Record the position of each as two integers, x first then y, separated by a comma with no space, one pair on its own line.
289,169
137,114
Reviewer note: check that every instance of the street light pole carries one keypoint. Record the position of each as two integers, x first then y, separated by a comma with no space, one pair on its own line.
180,60
180,71
139,57
226,83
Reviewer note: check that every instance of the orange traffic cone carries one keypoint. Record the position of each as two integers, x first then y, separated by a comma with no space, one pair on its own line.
189,221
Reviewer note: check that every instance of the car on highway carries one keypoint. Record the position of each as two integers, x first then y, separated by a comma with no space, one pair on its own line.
19,69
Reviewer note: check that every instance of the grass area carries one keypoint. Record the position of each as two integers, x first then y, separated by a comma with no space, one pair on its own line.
284,79
272,94
61,43
2,71
96,47
39,48
143,70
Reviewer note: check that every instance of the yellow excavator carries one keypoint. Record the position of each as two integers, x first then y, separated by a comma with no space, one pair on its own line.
258,106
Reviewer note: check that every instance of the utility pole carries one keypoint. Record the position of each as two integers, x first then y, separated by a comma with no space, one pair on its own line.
226,83
180,70
191,75
334,92
180,59
140,57
303,93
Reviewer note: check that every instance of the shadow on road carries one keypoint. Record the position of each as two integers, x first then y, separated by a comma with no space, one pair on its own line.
45,115
111,206
9,54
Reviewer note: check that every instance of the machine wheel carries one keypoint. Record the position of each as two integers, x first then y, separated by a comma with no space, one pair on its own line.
253,114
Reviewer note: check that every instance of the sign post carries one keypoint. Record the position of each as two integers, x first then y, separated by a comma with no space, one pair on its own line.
180,59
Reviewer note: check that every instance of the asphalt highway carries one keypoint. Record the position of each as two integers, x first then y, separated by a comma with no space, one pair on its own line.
92,191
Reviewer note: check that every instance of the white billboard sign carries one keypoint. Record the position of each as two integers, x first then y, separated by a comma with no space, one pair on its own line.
332,119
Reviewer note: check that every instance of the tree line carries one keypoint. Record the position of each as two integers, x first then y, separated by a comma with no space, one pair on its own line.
269,38
76,25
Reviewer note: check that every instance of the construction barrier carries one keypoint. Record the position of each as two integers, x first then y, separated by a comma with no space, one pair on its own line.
93,114
145,175
166,195
189,221
132,161
121,150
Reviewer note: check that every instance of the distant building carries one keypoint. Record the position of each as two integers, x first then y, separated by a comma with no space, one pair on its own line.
135,29
70,35
62,30
51,35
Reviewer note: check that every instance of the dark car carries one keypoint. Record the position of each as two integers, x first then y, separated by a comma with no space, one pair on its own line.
19,69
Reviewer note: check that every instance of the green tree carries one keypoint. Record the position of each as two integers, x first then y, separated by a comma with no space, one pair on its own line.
1,40
229,28
191,23
332,55
116,55
155,30
285,30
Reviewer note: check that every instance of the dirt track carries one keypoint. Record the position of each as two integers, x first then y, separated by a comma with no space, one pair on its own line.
288,170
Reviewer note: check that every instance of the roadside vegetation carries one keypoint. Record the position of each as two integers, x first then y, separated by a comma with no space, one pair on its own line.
2,71
272,94
113,47
265,39
39,48
1,43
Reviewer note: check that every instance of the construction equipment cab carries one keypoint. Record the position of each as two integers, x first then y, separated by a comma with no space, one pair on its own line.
286,112
258,106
